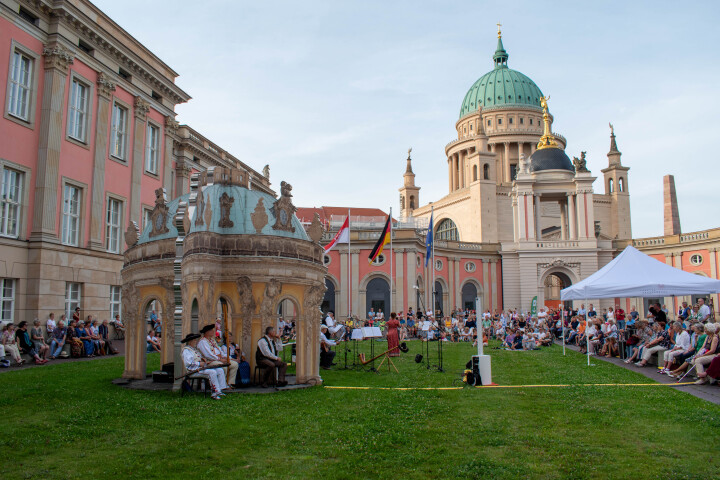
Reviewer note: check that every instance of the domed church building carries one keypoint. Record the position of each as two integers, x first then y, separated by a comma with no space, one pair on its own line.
513,189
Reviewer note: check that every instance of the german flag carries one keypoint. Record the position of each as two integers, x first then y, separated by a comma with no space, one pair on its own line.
382,241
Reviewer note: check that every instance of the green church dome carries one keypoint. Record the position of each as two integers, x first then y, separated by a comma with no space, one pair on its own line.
501,87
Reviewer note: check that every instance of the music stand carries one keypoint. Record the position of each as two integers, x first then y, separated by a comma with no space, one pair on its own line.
356,335
372,333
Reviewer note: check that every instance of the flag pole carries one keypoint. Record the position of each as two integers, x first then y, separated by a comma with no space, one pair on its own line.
434,293
349,279
391,264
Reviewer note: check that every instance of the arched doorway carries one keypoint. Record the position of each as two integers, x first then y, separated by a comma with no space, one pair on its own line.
438,297
287,311
469,292
377,295
328,302
552,285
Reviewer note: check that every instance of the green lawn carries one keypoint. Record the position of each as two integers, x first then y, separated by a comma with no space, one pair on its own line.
69,421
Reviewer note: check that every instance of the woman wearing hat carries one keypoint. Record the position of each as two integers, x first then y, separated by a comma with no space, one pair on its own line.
194,362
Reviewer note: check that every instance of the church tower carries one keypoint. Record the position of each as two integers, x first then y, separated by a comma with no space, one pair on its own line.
616,187
409,193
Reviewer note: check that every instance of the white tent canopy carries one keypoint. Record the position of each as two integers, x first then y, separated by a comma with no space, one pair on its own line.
634,274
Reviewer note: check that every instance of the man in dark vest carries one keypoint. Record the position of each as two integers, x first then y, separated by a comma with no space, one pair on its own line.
266,357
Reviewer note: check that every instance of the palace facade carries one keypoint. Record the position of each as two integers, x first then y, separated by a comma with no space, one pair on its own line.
88,134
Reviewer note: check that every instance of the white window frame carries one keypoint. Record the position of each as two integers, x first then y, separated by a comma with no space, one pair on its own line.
71,218
25,118
113,224
119,130
73,296
19,85
699,259
152,148
7,302
115,301
79,109
147,211
10,203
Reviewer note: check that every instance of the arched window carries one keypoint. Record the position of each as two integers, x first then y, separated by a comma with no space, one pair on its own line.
621,185
447,230
610,186
474,173
412,202
486,172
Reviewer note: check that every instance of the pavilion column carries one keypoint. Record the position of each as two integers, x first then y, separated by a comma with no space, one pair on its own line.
506,163
522,216
563,220
463,157
102,126
450,174
573,216
531,217
533,147
50,121
516,227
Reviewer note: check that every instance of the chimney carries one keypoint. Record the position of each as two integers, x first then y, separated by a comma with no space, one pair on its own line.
672,217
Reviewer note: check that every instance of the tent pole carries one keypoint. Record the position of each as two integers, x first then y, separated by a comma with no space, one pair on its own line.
562,319
587,333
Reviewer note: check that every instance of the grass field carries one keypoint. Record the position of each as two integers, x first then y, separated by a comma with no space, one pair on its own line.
69,421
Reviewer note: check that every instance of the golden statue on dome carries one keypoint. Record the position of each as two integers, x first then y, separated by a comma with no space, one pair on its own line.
548,139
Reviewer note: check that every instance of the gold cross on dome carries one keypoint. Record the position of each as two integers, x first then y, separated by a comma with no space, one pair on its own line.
499,32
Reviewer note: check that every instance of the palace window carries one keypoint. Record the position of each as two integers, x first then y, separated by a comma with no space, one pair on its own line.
71,215
10,202
489,122
510,120
78,111
72,298
151,149
522,120
696,259
115,301
20,85
114,222
379,260
447,230
499,121
118,133
146,218
438,265
7,299
470,267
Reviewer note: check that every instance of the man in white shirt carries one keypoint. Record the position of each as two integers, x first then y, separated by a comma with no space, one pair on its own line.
703,311
212,353
267,356
335,329
326,354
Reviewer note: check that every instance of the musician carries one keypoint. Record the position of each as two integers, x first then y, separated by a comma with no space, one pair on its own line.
194,362
209,349
393,337
326,354
337,330
266,355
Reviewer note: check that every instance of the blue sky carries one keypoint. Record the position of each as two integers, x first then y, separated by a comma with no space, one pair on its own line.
332,94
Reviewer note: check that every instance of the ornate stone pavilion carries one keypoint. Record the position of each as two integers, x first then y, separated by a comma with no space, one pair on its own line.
223,249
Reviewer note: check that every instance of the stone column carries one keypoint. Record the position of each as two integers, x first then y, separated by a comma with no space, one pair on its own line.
102,127
563,220
450,174
496,291
457,170
399,274
533,147
522,216
171,127
57,60
358,308
573,216
456,282
516,227
182,178
451,285
531,217
138,157
461,168
536,218
485,282
506,163
344,286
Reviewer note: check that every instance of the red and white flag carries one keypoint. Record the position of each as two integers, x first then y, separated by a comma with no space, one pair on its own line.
342,236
